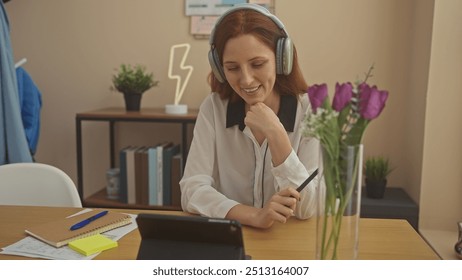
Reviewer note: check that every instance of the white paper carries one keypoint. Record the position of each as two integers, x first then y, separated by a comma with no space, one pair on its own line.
34,248
202,25
209,7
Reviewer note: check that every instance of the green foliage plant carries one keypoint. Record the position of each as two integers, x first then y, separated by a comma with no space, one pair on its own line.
377,168
133,80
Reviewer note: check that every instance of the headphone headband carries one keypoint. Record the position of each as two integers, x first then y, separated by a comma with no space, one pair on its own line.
283,49
248,6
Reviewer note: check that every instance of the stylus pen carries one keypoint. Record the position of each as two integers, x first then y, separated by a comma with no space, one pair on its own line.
87,221
307,181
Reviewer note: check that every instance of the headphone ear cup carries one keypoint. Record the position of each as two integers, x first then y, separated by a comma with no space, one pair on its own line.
279,54
216,66
284,56
288,56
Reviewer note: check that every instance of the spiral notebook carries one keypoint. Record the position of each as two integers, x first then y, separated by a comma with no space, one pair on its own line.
57,233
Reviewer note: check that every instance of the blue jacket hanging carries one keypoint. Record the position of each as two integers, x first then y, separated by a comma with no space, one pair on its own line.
30,101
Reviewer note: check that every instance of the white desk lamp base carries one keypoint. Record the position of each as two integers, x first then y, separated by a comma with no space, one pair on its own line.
179,109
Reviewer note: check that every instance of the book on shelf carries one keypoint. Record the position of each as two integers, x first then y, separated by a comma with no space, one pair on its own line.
57,233
176,174
131,176
160,171
152,176
168,154
142,176
146,174
123,192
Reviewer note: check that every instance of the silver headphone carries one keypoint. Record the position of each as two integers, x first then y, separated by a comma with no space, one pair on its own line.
284,46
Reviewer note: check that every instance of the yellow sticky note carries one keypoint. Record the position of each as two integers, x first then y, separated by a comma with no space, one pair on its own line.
92,244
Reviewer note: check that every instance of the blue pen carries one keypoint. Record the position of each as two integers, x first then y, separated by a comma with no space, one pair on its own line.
87,221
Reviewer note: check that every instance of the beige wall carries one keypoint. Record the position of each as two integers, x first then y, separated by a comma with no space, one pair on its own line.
415,103
73,46
339,40
442,155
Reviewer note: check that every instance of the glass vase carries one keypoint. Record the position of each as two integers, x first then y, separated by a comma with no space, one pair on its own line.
339,203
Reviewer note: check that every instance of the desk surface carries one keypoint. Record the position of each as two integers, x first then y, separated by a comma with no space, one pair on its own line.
379,239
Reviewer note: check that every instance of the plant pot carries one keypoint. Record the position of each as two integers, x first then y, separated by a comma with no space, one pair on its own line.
375,189
132,101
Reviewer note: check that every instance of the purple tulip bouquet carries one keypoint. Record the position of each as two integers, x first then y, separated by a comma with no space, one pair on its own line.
339,128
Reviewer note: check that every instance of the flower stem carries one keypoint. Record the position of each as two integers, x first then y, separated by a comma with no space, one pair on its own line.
341,180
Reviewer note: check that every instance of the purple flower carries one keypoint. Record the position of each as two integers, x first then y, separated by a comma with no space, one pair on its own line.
317,95
343,94
372,101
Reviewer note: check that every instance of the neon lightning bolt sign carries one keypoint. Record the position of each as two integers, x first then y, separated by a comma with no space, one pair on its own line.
180,87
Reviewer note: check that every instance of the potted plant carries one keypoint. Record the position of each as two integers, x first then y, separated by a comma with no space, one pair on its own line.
376,170
133,82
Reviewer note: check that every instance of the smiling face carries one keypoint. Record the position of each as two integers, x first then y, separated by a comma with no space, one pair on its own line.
250,69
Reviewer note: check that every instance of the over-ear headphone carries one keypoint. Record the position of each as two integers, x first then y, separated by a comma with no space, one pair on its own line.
284,46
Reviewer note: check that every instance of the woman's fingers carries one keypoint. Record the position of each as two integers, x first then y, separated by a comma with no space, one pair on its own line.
288,197
279,212
289,191
280,207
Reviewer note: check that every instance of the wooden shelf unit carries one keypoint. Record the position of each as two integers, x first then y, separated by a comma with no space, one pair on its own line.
99,199
112,116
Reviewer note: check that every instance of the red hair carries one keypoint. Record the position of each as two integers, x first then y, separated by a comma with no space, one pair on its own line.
248,21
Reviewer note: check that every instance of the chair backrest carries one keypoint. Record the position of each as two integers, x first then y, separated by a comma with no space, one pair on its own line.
36,184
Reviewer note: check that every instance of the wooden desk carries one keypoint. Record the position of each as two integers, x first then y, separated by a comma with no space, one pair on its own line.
379,239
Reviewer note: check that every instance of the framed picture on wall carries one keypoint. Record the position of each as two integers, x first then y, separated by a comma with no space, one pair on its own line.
204,13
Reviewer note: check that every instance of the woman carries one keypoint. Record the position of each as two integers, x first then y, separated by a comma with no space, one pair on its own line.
248,155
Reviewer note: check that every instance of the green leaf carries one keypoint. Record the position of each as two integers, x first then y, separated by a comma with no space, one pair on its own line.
377,168
354,136
133,80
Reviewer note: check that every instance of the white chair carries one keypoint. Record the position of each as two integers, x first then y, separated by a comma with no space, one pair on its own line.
36,184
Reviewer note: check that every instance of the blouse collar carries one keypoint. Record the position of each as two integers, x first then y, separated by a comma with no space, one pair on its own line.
235,113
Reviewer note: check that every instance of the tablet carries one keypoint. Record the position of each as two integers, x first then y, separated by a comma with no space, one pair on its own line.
169,237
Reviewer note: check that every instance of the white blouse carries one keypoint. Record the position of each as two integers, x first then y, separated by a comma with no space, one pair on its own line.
226,166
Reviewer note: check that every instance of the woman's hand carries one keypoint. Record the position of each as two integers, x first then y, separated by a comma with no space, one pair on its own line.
261,119
279,208
264,122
